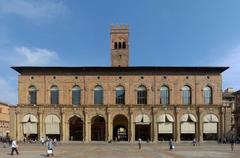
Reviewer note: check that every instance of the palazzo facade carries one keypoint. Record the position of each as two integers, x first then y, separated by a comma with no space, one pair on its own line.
121,102
4,119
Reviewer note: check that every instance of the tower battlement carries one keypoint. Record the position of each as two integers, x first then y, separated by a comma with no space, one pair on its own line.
119,27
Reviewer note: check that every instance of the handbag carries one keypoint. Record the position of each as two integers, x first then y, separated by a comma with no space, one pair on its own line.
49,151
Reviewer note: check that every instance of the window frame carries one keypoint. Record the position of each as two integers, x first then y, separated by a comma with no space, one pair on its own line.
142,95
120,98
76,92
100,92
54,93
32,94
187,98
164,95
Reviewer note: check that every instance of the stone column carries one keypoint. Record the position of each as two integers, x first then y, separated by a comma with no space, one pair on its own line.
129,125
67,130
132,128
223,133
177,124
155,127
12,124
40,123
18,126
200,127
63,129
87,129
107,126
110,136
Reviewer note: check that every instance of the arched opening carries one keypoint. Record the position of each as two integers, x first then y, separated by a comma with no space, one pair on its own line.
75,128
165,127
115,45
124,45
98,129
188,127
119,45
210,126
52,124
120,128
30,130
142,128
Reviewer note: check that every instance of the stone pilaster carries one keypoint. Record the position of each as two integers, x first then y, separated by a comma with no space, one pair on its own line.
200,127
177,124
87,125
155,127
64,129
131,134
40,125
18,126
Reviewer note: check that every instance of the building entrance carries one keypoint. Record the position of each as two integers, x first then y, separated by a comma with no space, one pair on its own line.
75,128
120,128
98,129
142,131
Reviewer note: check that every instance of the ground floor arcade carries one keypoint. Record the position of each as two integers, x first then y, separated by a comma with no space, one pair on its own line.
119,124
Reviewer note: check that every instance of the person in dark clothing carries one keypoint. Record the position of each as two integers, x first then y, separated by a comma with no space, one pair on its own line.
232,143
170,144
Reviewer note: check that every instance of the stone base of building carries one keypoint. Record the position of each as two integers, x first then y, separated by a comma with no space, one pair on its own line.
123,123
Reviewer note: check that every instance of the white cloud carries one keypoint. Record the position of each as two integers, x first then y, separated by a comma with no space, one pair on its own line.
33,9
36,56
231,58
20,56
9,91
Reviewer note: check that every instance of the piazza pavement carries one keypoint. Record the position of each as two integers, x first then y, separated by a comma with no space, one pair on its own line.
124,150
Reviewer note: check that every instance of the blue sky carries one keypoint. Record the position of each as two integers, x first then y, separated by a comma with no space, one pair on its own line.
76,33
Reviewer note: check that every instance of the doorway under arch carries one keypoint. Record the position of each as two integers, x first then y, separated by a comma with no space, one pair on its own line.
120,128
75,128
98,129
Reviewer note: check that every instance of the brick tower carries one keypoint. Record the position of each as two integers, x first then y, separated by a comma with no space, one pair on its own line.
119,45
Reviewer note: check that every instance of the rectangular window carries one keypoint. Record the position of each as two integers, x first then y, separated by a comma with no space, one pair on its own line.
142,97
98,97
33,97
54,97
120,97
164,97
76,97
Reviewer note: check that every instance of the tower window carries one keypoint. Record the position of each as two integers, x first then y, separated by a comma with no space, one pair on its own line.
124,45
119,45
115,45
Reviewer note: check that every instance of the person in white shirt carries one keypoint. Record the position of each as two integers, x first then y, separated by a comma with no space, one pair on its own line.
139,143
14,147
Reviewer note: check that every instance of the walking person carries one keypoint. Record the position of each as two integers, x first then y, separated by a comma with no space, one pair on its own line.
194,142
170,144
42,141
139,143
14,147
50,147
232,143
